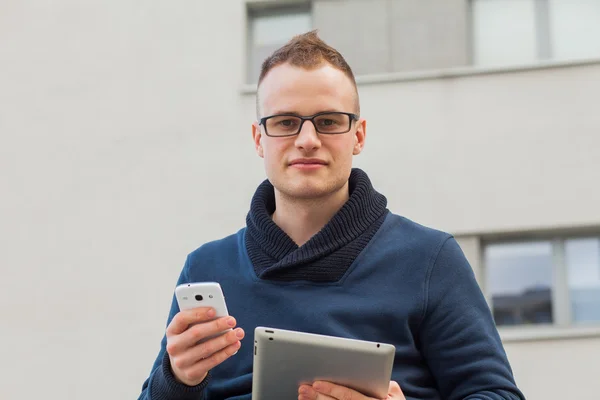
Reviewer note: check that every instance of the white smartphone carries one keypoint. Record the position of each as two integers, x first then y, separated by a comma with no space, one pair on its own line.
202,294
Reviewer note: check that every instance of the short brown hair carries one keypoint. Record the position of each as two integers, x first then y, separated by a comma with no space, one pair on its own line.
306,51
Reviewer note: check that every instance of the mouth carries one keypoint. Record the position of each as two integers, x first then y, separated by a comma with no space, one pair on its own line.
307,163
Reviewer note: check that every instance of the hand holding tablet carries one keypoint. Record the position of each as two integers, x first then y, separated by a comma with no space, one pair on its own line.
327,390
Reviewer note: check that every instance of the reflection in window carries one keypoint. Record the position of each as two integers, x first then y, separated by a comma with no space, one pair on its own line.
575,28
512,32
583,271
519,279
270,29
504,32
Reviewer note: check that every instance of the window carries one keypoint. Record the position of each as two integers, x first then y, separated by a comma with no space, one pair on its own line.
506,32
519,280
575,28
544,282
271,28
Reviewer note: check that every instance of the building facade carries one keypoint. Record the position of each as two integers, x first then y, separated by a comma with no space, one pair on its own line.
127,144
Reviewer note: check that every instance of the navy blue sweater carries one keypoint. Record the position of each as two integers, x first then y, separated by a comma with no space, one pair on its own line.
408,285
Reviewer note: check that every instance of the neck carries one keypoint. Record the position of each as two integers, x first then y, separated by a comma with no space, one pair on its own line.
301,219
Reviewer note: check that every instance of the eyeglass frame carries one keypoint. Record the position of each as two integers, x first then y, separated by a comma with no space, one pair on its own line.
352,118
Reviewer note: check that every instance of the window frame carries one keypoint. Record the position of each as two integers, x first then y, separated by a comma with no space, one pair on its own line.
563,324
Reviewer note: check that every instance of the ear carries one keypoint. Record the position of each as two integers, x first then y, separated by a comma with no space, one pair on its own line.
359,136
256,137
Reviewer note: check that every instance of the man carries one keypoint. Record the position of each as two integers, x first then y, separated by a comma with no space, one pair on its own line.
322,254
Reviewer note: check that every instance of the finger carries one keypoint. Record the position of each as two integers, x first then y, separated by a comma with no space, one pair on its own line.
190,337
183,319
204,330
337,391
306,392
318,396
207,349
216,359
395,392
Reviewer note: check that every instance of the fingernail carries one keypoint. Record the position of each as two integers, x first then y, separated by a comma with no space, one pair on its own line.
239,333
317,386
210,313
230,321
303,390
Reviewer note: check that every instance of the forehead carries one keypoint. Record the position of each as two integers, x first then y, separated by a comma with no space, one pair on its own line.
287,88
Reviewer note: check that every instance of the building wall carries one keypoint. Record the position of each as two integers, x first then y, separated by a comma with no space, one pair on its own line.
125,144
492,152
556,369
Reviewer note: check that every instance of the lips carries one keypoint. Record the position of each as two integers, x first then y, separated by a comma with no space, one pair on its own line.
308,161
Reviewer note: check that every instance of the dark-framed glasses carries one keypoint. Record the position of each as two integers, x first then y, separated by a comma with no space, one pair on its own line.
328,123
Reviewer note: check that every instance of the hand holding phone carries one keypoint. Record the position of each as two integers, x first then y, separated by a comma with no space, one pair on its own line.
201,335
201,295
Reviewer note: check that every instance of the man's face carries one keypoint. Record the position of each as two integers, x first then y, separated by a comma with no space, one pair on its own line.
310,165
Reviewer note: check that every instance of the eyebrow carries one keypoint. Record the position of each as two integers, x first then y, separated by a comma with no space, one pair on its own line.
278,112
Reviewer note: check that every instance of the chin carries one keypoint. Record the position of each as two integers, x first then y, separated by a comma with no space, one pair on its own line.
305,193
309,188
307,185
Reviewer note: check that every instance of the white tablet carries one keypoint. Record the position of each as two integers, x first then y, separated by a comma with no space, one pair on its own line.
283,360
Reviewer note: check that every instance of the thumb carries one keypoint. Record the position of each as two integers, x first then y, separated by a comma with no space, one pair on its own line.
395,392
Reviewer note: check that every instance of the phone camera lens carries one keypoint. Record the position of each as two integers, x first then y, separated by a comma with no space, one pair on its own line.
199,297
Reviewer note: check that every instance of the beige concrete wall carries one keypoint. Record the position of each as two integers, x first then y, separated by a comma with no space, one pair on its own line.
123,147
125,144
556,369
489,153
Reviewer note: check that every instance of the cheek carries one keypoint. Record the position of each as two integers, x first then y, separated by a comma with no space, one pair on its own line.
342,150
274,151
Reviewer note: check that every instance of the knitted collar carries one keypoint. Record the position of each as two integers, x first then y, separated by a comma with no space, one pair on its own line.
328,254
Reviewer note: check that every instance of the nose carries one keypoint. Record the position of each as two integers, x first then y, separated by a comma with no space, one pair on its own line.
308,137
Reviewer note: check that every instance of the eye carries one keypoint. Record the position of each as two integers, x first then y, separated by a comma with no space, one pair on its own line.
328,123
287,122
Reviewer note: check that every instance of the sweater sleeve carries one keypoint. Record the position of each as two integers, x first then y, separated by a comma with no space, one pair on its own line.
458,336
161,384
